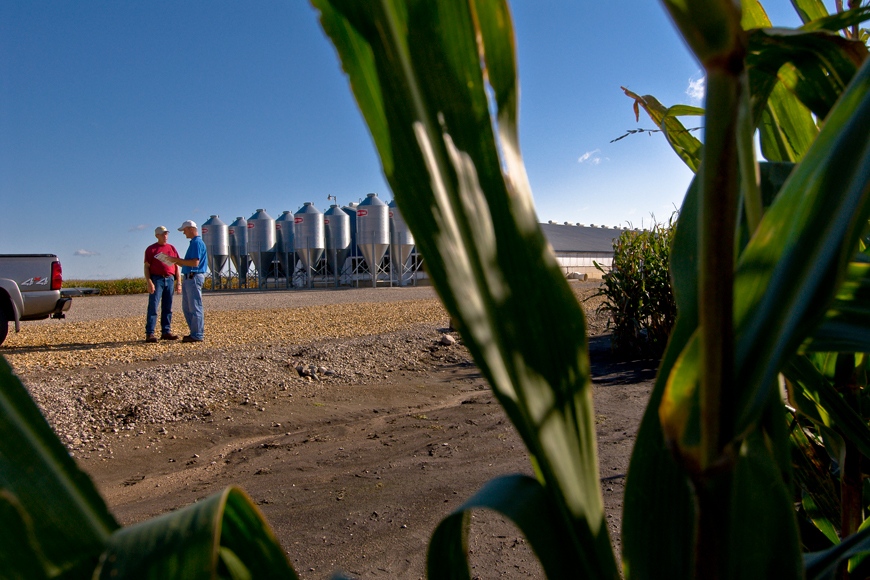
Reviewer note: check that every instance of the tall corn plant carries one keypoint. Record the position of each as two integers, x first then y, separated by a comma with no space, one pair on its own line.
638,298
708,488
809,70
436,82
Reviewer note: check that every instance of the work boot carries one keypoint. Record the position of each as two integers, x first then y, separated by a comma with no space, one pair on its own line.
150,338
189,338
169,336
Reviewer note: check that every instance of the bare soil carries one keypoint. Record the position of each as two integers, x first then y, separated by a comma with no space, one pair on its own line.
354,478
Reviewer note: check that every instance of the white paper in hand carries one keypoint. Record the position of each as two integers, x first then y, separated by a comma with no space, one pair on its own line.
164,258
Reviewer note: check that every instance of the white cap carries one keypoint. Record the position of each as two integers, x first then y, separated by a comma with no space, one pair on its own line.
160,230
187,224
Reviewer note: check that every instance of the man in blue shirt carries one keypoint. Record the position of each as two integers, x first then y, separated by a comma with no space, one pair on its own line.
193,267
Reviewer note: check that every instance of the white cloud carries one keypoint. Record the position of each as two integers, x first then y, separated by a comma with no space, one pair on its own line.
593,157
85,253
138,228
697,88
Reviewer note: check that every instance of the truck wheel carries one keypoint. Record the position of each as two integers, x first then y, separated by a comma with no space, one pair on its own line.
4,326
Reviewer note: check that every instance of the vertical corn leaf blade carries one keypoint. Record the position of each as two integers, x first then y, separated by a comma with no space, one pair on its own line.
657,493
763,513
787,128
426,71
789,272
222,534
64,519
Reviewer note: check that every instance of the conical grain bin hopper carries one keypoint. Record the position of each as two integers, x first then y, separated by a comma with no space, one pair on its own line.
215,235
285,247
373,230
238,236
308,231
402,242
336,226
262,241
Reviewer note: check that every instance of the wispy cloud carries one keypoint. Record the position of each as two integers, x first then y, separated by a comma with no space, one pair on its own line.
592,157
697,88
85,253
138,228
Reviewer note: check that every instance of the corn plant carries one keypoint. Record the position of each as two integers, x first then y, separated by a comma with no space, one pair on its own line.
708,489
637,291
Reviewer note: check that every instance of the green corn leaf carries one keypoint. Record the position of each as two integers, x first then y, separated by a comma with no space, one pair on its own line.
527,504
679,411
840,20
809,10
823,565
462,189
787,128
679,138
815,387
658,494
225,529
844,326
20,558
813,477
790,270
821,63
753,15
762,513
822,523
67,521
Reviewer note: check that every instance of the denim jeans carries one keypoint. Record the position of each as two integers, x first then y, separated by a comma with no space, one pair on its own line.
162,295
191,304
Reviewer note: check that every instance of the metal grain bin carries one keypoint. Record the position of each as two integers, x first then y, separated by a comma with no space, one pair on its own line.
284,242
309,233
350,210
401,243
215,235
373,230
336,227
262,241
238,236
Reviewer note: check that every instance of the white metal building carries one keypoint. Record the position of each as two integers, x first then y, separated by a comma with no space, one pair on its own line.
576,246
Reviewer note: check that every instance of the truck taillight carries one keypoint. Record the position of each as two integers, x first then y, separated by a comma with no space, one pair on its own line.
56,276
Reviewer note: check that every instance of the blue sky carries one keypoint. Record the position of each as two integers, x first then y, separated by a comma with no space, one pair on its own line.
117,117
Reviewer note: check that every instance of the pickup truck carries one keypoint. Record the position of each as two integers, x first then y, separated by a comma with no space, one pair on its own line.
30,289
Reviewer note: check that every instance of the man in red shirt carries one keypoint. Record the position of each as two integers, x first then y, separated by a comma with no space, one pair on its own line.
160,278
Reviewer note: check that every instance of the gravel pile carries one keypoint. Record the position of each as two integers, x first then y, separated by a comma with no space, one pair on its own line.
94,377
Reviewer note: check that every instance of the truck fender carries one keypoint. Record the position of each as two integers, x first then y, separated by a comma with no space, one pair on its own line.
13,300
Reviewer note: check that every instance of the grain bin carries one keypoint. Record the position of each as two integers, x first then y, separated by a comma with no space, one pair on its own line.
285,242
309,235
215,235
261,241
373,231
238,236
401,243
336,229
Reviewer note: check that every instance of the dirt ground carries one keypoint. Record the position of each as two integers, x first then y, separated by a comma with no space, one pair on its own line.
354,479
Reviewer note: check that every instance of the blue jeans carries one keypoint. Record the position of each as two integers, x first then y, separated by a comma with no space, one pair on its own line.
163,288
191,304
